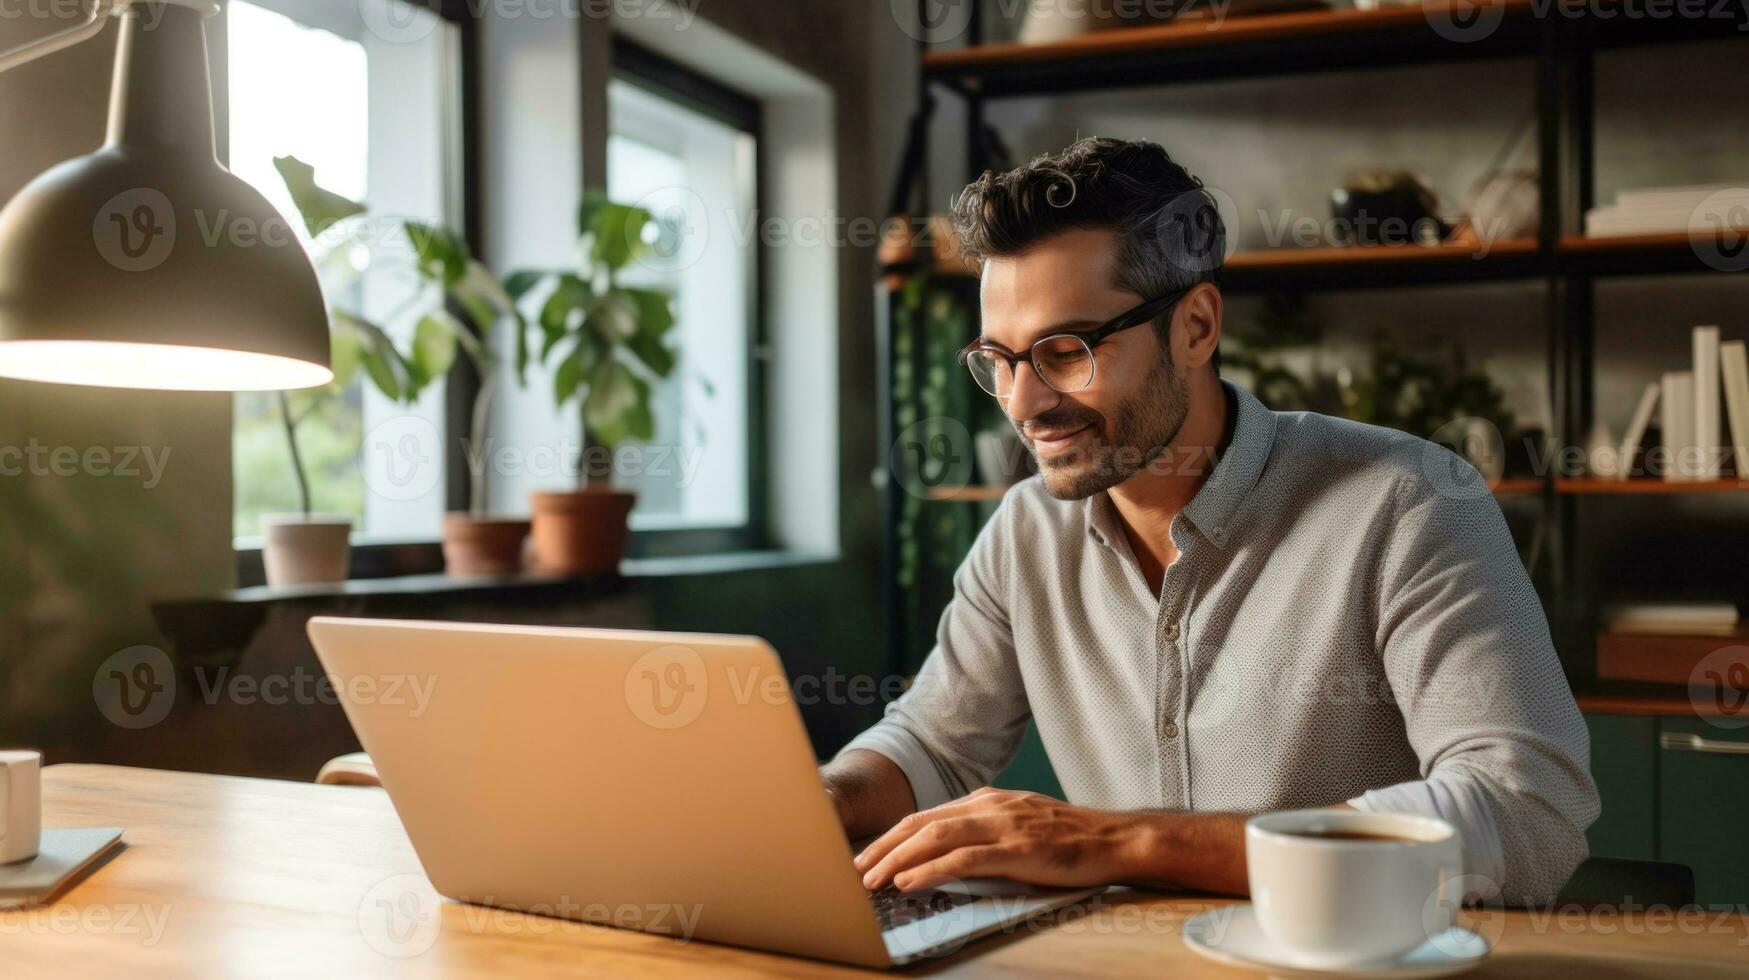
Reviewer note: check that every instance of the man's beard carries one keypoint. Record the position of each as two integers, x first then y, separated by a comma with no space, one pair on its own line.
1142,427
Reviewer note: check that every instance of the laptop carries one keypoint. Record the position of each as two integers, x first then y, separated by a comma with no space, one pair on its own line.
653,781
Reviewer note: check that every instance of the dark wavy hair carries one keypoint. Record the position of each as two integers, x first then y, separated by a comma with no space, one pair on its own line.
1170,232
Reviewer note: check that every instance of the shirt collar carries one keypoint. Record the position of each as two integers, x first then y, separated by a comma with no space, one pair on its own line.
1235,474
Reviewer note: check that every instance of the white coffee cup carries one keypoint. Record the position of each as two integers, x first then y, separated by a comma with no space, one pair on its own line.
1338,888
21,811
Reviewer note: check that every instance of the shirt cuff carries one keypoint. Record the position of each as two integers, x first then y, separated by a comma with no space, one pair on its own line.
1457,802
928,787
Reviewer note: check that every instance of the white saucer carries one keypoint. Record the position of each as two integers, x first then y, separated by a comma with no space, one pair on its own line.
1232,935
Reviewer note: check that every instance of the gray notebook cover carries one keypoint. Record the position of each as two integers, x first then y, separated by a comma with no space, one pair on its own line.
64,854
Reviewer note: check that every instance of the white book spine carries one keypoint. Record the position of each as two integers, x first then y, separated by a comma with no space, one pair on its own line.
1678,424
1706,401
1734,363
1630,444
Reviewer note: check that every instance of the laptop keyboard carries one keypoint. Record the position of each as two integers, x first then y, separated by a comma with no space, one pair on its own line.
895,908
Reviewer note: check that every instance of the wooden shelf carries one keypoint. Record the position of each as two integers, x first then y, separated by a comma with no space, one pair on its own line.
1638,254
1197,49
1346,267
1647,487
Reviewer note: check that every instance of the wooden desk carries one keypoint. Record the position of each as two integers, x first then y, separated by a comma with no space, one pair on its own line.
233,877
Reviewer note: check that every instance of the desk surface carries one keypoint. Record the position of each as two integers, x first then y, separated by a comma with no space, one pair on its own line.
222,876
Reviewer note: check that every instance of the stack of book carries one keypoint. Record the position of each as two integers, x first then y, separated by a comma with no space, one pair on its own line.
1693,425
1660,642
1660,210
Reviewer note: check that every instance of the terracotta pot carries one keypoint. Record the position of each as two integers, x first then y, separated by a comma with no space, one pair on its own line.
483,545
581,533
302,550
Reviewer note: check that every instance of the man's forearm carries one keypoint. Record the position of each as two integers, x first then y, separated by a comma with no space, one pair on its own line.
1198,851
870,791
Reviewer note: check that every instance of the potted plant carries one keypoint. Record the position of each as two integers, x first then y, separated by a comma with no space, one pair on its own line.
608,343
456,309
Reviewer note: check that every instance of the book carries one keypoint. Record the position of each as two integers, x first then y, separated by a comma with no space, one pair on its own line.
1630,443
1678,426
1674,618
1734,365
1706,401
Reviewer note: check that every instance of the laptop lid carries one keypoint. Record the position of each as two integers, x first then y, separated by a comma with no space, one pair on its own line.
655,781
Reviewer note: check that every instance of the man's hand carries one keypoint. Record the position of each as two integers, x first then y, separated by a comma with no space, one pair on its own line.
998,833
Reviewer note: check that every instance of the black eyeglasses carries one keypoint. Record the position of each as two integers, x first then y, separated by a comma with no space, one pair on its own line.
1063,360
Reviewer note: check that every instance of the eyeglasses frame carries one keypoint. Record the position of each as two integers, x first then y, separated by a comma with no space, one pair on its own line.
1145,312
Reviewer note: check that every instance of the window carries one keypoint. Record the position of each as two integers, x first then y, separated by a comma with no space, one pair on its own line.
366,91
686,149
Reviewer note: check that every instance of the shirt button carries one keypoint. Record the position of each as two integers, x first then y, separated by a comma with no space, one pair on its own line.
1171,729
1219,535
1171,631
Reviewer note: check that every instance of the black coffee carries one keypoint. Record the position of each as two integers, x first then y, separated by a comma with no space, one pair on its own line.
1350,835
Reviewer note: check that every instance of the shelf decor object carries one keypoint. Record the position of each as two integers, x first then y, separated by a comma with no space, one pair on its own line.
110,271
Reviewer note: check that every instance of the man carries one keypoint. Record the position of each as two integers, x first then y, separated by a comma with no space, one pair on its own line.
1210,609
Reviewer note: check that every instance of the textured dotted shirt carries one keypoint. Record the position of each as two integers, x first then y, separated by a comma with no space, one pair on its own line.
1347,621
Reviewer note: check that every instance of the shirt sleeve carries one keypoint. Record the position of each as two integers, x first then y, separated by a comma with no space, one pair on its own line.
1504,752
961,721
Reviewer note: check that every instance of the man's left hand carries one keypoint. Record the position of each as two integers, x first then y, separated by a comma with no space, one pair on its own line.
1027,837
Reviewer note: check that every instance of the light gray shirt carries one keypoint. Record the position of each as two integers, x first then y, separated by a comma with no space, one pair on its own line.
1347,621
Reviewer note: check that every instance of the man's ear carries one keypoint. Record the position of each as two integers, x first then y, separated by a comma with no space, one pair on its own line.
1196,326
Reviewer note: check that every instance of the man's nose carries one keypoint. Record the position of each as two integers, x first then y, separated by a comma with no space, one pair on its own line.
1030,397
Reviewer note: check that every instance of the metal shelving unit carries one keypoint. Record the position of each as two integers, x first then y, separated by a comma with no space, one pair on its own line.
1563,41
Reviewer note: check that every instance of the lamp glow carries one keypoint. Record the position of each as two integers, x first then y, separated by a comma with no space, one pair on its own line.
111,364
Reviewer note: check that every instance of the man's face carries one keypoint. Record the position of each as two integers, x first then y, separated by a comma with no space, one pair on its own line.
1089,440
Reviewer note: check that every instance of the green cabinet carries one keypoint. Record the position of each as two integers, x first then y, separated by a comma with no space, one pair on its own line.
1674,789
1703,805
1625,766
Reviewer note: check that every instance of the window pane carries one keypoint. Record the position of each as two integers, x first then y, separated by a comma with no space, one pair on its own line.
696,175
373,115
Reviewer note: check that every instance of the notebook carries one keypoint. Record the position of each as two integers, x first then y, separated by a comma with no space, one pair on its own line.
65,853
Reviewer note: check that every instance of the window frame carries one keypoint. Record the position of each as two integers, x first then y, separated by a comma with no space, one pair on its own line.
671,80
379,559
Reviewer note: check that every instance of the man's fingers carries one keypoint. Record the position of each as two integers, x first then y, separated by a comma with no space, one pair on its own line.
899,832
978,861
939,837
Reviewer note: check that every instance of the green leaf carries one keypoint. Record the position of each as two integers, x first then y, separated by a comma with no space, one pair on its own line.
520,282
655,312
441,256
614,316
616,231
434,348
319,207
345,352
568,377
618,404
571,294
382,363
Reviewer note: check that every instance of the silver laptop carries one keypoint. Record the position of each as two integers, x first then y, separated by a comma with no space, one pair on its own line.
655,781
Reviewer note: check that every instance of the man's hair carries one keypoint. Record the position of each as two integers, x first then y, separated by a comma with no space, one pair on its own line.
1170,233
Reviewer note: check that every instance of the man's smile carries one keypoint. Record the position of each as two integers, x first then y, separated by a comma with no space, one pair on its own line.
1055,442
